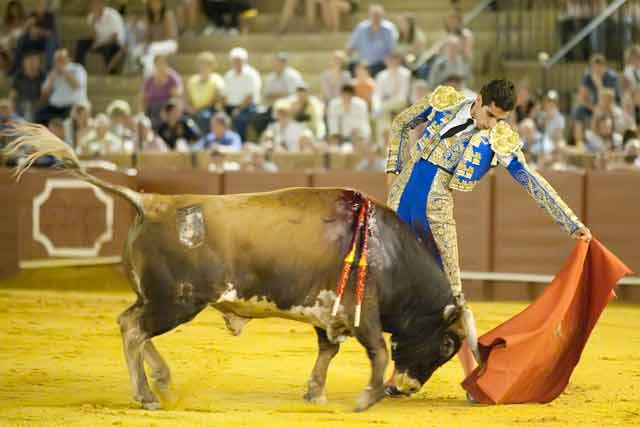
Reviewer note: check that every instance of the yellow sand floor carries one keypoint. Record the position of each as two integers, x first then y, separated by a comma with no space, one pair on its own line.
61,364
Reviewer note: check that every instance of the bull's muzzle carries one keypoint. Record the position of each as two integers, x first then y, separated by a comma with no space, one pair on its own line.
407,385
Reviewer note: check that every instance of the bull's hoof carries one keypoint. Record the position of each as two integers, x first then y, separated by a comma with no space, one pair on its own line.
368,398
393,391
317,399
151,406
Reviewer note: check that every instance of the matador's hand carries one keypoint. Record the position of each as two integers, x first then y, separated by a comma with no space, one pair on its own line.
583,234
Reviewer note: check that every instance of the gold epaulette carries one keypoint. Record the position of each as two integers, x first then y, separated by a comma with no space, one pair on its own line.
445,98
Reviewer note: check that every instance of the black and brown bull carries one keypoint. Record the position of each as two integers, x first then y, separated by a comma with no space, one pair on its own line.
277,254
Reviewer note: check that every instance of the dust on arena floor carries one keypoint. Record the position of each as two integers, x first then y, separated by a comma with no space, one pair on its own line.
61,364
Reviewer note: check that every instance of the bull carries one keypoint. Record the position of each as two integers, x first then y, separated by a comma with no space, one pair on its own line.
275,254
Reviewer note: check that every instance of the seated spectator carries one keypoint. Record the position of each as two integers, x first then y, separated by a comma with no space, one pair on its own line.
602,138
205,90
631,74
373,40
40,35
335,76
8,115
412,41
177,129
146,139
526,105
164,84
454,26
364,85
242,88
597,76
229,16
392,86
552,123
282,81
607,105
26,87
220,136
100,141
161,35
109,36
457,82
65,86
79,124
13,27
122,124
451,60
219,163
284,133
348,116
532,141
260,161
309,110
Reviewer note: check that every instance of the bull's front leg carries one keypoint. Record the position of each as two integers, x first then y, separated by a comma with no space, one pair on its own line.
326,352
369,334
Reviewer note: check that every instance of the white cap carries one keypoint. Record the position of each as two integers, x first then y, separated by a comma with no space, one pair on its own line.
239,53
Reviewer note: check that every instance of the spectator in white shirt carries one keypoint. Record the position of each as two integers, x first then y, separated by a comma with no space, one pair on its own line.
348,116
100,141
65,86
284,133
392,85
283,81
108,36
242,90
632,68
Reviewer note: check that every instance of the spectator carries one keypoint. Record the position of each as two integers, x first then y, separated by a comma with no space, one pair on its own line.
412,41
454,26
333,11
65,86
79,124
221,136
282,81
26,87
526,105
372,40
602,138
260,161
205,90
161,36
122,124
364,85
13,28
457,82
348,116
393,86
552,123
229,16
40,35
242,87
532,140
7,114
335,76
146,139
289,9
109,36
100,141
450,61
135,39
164,84
598,76
631,75
285,132
606,105
177,129
309,110
219,163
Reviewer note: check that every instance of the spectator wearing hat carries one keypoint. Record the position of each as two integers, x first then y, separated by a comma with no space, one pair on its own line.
285,132
242,88
65,86
79,123
164,84
101,141
205,90
282,81
309,110
146,138
373,40
177,129
108,36
220,136
26,86
348,116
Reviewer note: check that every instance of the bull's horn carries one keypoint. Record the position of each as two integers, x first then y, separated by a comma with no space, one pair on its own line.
469,325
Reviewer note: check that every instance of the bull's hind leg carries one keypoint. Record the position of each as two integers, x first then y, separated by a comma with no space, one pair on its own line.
326,352
160,372
369,334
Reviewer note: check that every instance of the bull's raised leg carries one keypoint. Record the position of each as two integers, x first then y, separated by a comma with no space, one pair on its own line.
326,352
369,334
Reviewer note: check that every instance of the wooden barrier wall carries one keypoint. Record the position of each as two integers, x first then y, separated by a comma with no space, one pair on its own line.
500,227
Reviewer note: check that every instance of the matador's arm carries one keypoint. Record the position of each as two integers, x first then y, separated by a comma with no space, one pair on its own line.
402,124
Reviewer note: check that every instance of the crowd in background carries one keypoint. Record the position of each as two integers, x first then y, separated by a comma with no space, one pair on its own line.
387,64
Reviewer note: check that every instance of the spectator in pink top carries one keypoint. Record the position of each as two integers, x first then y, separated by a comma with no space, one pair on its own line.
163,84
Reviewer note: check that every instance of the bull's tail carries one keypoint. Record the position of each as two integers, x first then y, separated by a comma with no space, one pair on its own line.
44,143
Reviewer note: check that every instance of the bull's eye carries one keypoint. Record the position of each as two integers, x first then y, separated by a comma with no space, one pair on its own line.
448,346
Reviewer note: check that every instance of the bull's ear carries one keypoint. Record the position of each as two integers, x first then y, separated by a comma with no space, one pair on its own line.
451,313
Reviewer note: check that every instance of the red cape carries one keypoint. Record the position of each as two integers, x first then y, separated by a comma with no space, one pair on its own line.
530,357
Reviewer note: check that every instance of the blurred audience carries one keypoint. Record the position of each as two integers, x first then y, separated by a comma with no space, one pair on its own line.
308,109
631,73
161,34
108,36
412,41
602,137
205,91
221,136
348,116
177,129
225,16
597,77
393,86
285,132
364,85
26,86
79,124
552,123
450,61
146,138
122,123
165,83
242,88
334,76
282,81
454,26
8,115
40,35
373,40
12,29
99,141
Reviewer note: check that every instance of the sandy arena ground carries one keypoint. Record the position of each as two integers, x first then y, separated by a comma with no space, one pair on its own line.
61,364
